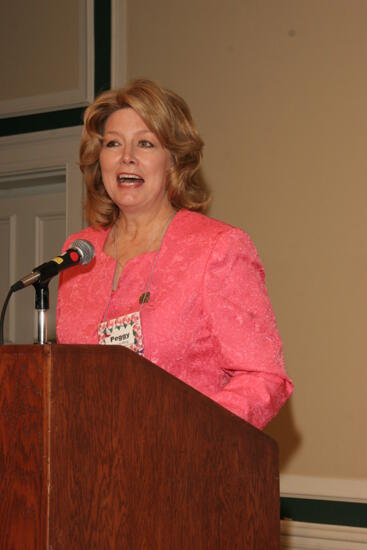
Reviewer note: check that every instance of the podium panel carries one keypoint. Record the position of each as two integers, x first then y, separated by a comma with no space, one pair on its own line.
101,449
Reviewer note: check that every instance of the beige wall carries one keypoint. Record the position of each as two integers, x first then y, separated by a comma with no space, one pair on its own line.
278,90
40,39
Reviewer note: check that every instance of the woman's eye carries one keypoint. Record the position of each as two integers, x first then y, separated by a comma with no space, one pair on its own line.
145,143
111,143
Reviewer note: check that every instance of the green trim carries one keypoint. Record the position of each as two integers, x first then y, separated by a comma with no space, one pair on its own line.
41,121
329,512
102,81
102,45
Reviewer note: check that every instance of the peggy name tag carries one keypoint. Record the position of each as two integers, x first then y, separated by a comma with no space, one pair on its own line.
124,331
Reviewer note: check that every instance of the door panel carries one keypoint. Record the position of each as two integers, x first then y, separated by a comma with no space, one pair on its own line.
32,226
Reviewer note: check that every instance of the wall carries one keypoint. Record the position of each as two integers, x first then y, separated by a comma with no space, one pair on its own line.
49,59
278,92
42,56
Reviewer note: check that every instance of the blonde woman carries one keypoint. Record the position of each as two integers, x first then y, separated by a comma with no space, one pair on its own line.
182,289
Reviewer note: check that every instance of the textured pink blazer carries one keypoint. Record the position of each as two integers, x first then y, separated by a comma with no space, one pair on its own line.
209,320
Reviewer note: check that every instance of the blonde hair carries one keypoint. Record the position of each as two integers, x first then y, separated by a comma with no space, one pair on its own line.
166,115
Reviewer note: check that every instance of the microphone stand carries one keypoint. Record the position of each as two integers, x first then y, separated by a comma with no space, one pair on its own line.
80,252
42,306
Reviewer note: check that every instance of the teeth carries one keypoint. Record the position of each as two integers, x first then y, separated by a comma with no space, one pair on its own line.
127,177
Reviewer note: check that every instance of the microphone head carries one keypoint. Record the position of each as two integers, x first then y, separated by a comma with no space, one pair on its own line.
85,249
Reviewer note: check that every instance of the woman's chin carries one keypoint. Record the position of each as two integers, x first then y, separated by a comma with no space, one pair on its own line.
128,197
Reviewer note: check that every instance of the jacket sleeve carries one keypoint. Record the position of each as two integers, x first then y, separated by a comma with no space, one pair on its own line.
243,324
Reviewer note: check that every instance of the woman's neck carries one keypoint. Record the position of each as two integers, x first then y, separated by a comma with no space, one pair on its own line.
136,235
143,226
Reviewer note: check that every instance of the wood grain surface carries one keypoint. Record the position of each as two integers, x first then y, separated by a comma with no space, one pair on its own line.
149,463
23,447
100,449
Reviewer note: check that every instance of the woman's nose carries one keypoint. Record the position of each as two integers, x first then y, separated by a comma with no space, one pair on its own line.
128,155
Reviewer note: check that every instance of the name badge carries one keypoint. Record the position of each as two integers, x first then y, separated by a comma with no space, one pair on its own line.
123,331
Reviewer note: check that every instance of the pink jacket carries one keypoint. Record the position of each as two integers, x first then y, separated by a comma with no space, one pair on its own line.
209,320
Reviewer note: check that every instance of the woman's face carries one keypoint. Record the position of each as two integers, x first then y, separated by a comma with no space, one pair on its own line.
134,164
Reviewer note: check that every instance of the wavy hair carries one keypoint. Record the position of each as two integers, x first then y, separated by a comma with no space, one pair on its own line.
166,115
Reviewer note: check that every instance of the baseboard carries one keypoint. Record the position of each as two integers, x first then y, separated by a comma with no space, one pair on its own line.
303,536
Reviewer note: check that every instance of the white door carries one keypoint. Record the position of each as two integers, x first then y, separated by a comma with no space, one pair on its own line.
32,230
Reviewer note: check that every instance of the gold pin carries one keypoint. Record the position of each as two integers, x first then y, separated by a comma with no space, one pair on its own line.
144,298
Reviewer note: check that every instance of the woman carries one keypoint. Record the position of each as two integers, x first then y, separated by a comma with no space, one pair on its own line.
182,289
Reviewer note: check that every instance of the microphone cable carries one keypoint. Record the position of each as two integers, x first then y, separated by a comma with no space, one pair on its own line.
2,317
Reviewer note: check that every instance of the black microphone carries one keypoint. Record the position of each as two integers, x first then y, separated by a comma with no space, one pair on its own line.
80,252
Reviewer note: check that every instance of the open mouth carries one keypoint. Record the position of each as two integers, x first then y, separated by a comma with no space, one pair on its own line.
129,180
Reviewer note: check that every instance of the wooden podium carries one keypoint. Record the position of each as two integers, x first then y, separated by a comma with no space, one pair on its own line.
101,449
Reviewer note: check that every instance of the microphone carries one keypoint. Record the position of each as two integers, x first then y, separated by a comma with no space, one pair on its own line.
80,252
